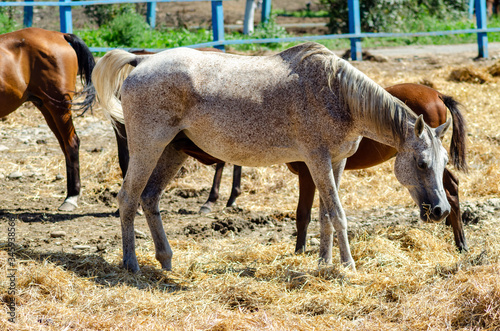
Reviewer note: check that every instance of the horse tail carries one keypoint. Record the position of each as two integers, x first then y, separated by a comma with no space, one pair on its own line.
86,64
108,76
458,147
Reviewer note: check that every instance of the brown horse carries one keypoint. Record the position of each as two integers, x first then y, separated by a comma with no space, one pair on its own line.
42,66
422,100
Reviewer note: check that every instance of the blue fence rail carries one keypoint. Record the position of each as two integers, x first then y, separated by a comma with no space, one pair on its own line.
476,6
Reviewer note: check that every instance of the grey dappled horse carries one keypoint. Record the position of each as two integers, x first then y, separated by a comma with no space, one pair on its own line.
303,104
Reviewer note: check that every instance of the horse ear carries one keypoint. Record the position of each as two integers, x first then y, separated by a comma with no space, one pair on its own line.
419,126
441,130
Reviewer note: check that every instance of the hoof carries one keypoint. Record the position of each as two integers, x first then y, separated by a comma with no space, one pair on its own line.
69,204
349,265
205,210
463,248
133,268
300,250
167,266
139,212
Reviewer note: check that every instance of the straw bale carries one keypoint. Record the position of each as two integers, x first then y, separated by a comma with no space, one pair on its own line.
469,75
494,69
428,82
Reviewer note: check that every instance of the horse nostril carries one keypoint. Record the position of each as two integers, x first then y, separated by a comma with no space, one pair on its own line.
437,212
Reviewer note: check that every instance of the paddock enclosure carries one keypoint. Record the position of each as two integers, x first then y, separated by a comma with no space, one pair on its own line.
234,269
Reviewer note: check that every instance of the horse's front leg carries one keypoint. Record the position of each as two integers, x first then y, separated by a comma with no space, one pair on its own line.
450,182
168,165
306,199
326,234
327,177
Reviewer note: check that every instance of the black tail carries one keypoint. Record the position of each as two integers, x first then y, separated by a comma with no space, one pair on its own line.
458,147
86,64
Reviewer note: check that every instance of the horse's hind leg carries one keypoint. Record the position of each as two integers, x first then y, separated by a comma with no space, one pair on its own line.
121,142
141,166
236,189
214,192
166,168
60,122
450,182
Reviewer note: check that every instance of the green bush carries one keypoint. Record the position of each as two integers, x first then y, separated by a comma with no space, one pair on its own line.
7,23
104,14
128,29
392,15
262,31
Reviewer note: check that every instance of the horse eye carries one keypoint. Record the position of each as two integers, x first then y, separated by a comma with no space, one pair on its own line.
422,165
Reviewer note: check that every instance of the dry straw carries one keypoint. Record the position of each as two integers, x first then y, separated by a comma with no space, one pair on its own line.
469,75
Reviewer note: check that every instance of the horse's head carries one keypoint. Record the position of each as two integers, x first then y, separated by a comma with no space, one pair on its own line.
419,167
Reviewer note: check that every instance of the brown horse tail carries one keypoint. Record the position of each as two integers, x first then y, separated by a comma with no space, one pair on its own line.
86,64
458,147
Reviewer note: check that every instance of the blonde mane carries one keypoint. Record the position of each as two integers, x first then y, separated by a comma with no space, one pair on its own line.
368,100
364,98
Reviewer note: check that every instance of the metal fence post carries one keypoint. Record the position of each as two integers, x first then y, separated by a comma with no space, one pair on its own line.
266,11
482,37
471,8
28,15
355,27
218,22
151,14
66,18
248,21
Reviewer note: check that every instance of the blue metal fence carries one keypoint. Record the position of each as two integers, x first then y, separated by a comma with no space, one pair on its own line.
476,6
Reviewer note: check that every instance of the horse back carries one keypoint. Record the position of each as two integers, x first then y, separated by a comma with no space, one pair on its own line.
423,100
37,61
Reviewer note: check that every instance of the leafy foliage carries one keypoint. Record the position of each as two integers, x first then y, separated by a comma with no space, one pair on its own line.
126,29
104,14
131,30
392,15
262,31
7,23
300,13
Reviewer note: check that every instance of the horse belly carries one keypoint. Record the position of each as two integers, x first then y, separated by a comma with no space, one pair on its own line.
248,123
251,149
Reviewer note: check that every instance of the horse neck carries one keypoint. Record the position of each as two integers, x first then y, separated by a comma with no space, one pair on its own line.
391,130
377,114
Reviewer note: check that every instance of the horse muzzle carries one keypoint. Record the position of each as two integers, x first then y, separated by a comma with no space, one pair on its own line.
434,214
